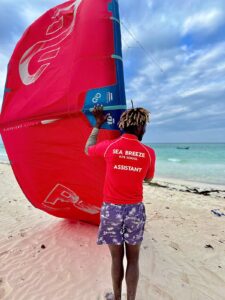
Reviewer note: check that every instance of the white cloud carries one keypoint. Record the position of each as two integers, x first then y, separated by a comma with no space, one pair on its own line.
204,89
208,111
209,54
191,83
206,22
30,13
168,113
3,70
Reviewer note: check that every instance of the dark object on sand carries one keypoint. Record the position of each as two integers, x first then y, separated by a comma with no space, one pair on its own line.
217,212
109,296
209,246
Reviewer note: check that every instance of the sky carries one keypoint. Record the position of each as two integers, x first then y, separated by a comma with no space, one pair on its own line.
174,62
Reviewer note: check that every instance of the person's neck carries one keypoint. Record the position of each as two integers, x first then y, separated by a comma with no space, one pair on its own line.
133,134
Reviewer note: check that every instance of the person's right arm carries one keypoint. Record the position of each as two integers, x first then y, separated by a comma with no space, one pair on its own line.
92,140
100,118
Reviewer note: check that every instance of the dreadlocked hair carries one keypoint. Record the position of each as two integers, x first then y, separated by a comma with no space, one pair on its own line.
132,118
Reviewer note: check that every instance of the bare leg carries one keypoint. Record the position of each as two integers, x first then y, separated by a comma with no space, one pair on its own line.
117,271
132,272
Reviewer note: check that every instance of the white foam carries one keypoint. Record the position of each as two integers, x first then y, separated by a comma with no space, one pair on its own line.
174,159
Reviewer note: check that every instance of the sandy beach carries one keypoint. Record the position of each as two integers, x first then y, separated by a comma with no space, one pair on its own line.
182,255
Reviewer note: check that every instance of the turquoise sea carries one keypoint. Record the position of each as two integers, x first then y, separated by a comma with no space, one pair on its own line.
201,162
3,155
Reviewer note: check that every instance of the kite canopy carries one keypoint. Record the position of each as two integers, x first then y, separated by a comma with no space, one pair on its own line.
66,62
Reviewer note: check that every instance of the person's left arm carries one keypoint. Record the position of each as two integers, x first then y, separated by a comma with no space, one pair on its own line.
151,170
148,180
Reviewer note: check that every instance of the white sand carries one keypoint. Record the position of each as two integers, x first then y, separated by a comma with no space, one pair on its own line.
174,262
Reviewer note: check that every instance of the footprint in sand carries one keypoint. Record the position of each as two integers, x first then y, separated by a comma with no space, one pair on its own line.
184,278
157,216
5,288
174,246
161,294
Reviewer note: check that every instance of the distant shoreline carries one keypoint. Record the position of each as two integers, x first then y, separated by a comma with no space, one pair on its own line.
184,143
4,162
174,181
188,183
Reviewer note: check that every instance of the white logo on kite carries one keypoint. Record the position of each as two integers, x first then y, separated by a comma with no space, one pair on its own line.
96,98
110,120
61,196
47,49
109,97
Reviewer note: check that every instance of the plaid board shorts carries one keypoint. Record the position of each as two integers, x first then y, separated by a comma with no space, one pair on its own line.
121,223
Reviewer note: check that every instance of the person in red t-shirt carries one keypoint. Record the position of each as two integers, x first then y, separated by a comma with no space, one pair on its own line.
128,163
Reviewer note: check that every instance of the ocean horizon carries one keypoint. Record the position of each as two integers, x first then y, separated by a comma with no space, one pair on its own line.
201,162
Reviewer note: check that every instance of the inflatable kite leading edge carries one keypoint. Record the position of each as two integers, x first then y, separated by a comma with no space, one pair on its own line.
66,62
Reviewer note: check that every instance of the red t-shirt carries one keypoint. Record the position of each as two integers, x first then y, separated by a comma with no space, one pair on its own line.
128,163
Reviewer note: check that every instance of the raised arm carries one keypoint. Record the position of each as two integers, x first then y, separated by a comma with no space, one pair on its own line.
92,140
100,120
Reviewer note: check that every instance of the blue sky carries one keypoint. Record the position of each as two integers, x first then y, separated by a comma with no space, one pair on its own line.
185,38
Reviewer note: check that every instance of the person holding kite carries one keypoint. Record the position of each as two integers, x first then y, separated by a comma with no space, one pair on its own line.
122,219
